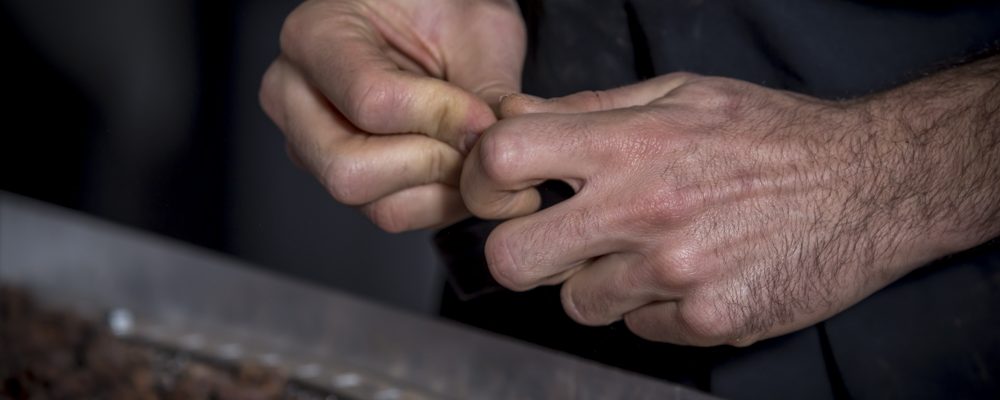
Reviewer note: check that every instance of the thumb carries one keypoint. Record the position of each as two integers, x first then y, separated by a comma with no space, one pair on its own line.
637,94
487,58
494,93
494,85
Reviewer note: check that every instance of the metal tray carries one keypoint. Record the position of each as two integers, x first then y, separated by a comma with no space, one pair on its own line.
151,288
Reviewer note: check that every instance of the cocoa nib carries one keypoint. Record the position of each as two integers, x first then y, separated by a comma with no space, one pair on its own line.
50,354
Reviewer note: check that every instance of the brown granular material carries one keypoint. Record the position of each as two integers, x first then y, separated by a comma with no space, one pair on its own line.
48,354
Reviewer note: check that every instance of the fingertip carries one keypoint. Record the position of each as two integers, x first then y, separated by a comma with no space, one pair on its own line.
421,207
389,103
476,116
514,104
572,307
469,142
479,118
504,205
506,262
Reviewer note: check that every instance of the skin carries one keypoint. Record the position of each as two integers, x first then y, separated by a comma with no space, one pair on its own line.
380,99
713,211
708,211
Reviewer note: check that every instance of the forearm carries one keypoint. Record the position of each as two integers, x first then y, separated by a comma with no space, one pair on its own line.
944,151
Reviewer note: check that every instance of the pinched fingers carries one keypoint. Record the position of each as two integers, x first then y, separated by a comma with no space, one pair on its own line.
379,100
343,52
515,155
355,167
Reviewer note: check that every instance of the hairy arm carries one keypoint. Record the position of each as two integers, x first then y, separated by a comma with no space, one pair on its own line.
710,210
946,155
912,175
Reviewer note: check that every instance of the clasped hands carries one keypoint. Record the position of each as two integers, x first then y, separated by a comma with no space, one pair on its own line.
707,210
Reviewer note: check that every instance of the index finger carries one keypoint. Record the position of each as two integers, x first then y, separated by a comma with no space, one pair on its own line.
633,95
547,247
516,154
344,53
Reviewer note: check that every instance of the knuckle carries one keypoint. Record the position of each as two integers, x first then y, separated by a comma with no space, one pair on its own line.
291,30
297,31
643,328
707,324
665,206
682,76
672,203
388,216
345,179
313,24
677,267
726,99
436,169
267,95
443,165
723,96
500,154
370,103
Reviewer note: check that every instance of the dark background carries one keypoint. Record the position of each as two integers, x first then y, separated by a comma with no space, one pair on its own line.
145,113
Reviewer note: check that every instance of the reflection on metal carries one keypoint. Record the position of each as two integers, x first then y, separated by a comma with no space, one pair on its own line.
184,298
120,321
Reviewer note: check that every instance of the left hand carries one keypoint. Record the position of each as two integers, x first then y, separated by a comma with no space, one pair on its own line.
380,99
708,211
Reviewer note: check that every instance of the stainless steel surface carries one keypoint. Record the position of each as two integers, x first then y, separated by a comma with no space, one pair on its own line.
148,282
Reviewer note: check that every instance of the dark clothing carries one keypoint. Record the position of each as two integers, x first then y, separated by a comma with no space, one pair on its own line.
935,333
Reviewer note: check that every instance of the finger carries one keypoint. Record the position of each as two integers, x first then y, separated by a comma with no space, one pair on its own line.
493,67
343,54
659,322
365,168
514,155
686,322
311,127
428,206
545,247
296,160
609,287
271,94
637,94
355,167
489,71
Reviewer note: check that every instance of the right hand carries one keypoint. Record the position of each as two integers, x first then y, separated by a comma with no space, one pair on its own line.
381,99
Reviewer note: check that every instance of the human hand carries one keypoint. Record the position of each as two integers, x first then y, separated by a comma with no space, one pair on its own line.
708,211
381,99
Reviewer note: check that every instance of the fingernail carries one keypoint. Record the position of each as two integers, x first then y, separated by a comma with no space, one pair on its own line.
469,142
532,98
525,96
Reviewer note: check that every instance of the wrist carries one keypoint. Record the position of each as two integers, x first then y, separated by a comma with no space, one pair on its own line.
939,152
